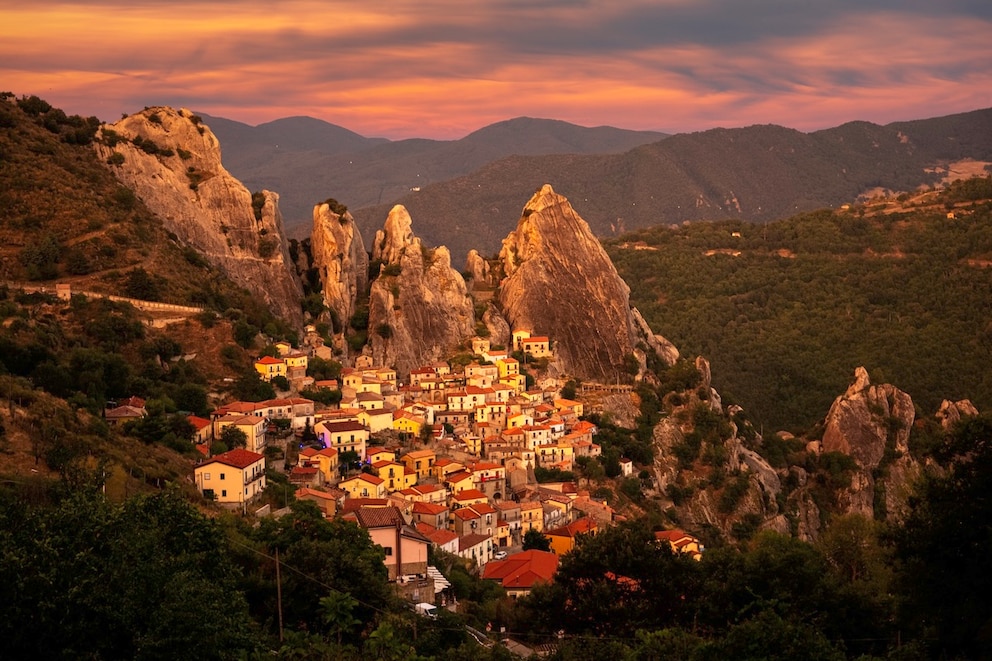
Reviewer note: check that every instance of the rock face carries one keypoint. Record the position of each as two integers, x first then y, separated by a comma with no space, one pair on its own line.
419,307
479,268
872,425
173,163
339,254
951,412
558,281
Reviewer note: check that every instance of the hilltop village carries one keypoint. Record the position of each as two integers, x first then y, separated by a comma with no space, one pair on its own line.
445,458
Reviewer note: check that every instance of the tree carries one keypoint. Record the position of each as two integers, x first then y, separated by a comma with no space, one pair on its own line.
232,437
945,544
338,613
140,284
534,539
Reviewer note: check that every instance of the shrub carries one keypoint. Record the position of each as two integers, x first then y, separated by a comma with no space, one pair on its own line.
116,158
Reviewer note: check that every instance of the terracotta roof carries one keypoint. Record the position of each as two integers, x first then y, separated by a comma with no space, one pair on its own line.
428,508
438,536
198,422
578,527
470,494
523,570
468,541
269,360
238,458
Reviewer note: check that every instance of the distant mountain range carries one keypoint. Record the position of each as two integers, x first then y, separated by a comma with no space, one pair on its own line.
468,193
307,160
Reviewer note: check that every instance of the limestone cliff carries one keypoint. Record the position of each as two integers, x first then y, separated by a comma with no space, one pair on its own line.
872,425
172,161
340,257
559,282
419,307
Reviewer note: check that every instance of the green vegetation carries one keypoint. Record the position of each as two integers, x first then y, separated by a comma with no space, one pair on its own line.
784,312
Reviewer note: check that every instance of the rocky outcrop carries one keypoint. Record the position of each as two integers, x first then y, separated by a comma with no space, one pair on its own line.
172,161
419,307
666,351
479,269
558,281
872,425
339,255
950,413
499,329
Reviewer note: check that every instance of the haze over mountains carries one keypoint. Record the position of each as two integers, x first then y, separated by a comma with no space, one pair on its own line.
471,190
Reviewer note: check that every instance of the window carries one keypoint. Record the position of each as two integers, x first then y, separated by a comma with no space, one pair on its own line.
223,493
206,476
389,550
222,476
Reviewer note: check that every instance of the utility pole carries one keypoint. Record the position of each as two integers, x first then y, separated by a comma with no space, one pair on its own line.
279,594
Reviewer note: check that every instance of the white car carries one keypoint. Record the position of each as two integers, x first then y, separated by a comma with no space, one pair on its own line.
499,555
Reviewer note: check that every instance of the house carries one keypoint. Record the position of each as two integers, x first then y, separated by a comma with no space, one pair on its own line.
626,467
408,423
364,485
460,481
329,502
490,479
468,497
343,436
233,479
519,573
420,461
537,346
201,429
269,367
475,547
509,512
397,476
296,364
377,453
563,539
253,427
121,414
406,549
446,466
441,538
571,404
531,516
681,542
325,460
306,476
425,493
478,518
377,420
432,514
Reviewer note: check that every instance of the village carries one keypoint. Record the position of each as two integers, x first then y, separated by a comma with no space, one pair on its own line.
445,458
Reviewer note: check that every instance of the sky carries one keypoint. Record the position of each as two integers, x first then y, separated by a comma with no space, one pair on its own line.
443,68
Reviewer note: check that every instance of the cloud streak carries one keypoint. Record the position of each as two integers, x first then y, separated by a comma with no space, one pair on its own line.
442,68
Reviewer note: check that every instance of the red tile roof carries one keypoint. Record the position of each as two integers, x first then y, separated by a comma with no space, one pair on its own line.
523,570
238,458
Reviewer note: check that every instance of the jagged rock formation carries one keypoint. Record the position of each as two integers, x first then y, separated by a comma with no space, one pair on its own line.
499,329
560,282
419,307
480,270
173,163
872,425
339,254
951,412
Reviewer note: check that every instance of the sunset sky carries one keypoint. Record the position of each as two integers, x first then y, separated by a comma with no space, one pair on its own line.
443,68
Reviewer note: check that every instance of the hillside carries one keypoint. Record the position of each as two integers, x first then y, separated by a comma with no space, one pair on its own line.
785,311
307,160
755,174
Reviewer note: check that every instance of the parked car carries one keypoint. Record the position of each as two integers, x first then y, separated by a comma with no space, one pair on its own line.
499,555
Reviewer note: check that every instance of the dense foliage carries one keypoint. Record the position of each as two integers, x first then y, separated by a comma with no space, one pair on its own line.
786,311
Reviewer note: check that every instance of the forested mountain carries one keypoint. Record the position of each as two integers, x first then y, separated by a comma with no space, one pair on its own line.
785,311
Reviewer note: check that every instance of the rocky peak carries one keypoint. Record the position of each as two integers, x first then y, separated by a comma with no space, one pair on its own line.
558,281
419,307
172,161
339,255
872,424
951,412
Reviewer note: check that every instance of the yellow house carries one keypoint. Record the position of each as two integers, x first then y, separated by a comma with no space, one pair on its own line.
269,367
570,404
563,539
421,461
508,366
408,423
557,455
681,542
296,364
396,475
233,478
538,346
326,461
444,467
364,485
531,516
375,454
252,426
461,481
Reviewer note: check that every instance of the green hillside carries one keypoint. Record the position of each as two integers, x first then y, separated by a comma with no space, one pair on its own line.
786,311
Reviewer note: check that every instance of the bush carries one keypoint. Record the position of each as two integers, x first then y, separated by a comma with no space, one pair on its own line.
116,158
